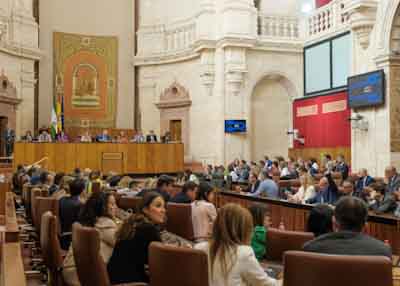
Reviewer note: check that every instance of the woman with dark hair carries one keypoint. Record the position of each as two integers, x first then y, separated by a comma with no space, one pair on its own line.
203,212
98,212
131,252
56,183
320,220
261,221
231,259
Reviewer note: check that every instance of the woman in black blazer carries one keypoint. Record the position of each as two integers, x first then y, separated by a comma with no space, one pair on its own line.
253,182
131,252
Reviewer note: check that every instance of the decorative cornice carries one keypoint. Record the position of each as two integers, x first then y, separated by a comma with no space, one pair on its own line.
13,49
279,46
161,59
9,100
174,104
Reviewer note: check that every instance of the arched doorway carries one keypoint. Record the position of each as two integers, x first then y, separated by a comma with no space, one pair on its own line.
271,117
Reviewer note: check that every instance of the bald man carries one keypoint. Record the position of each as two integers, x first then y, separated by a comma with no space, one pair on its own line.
327,192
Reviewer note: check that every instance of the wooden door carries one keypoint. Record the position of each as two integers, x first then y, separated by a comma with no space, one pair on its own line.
175,127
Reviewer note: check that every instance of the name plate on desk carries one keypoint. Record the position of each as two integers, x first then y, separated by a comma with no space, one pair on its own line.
112,156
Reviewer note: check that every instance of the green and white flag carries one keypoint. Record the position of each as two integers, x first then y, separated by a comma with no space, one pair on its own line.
53,123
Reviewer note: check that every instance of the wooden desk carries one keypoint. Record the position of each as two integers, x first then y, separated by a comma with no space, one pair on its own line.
132,158
294,216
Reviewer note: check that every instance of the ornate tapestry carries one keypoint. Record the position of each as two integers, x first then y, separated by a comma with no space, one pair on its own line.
85,79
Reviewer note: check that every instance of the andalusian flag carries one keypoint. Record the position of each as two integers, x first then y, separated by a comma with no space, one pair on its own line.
53,124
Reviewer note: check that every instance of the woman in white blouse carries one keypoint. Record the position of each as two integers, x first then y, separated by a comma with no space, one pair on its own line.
306,190
231,260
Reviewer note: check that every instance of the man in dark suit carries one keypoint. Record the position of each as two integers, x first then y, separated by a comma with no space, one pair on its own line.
187,195
342,167
151,138
327,192
9,138
392,179
165,186
350,217
104,137
69,208
364,180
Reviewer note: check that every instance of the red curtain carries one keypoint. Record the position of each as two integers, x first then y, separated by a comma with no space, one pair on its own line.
323,129
320,3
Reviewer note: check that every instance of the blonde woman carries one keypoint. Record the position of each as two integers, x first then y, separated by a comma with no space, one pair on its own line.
231,259
306,190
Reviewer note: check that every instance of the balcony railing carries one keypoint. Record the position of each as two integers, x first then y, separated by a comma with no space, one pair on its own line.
163,40
280,27
328,19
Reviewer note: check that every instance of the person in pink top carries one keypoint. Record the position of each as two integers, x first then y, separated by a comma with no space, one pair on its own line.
203,212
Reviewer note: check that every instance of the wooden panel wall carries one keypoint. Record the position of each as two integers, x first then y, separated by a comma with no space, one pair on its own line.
317,153
136,158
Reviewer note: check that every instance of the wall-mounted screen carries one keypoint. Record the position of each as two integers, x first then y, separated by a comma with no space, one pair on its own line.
367,90
235,126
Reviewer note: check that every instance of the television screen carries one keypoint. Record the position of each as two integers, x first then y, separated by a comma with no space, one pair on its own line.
367,89
235,126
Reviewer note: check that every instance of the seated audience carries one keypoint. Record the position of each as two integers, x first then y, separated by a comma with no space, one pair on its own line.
363,181
94,177
131,252
203,212
347,189
139,137
151,137
98,212
243,171
46,180
254,183
62,137
232,173
86,137
69,208
167,137
122,138
56,183
261,222
189,176
187,195
104,137
164,187
27,137
392,179
44,137
327,192
306,190
350,217
231,258
342,167
268,188
319,220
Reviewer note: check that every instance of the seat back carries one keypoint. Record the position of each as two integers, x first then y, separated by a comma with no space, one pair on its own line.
189,267
312,269
35,193
129,203
179,220
90,266
279,241
51,250
43,205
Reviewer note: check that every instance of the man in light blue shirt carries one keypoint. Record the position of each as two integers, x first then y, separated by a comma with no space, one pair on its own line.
268,188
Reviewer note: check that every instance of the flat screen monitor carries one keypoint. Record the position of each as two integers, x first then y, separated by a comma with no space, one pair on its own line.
366,90
235,126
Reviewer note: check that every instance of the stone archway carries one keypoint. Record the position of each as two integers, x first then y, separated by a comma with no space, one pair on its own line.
271,115
174,106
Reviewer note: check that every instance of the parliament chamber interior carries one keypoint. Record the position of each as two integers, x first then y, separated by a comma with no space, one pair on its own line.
200,142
